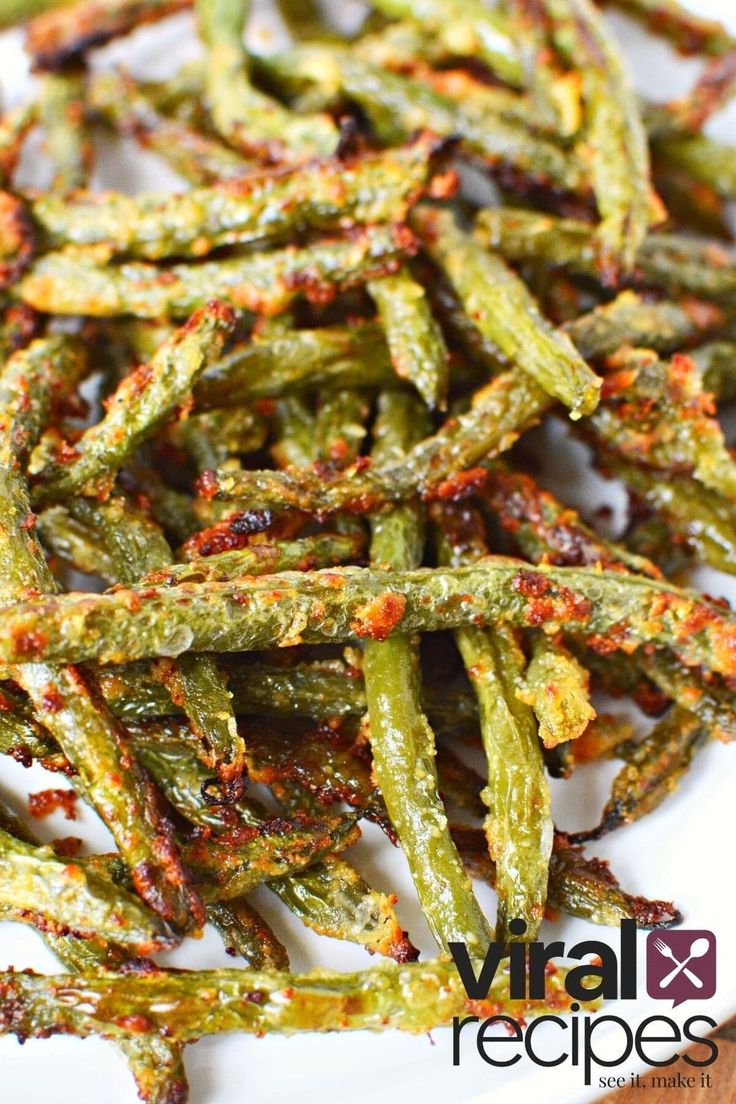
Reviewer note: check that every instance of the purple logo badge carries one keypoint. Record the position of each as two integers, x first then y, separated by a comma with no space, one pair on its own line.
681,965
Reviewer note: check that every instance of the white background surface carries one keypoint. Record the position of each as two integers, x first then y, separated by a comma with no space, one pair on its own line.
682,852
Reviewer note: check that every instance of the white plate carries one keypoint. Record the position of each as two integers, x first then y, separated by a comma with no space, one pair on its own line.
682,852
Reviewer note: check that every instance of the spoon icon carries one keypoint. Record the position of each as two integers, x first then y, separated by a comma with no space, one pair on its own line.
698,948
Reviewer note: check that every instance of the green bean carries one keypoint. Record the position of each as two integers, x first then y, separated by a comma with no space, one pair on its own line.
67,700
332,899
465,29
459,783
653,768
433,467
155,1063
655,414
545,530
691,205
58,895
715,361
262,282
704,159
398,105
61,107
518,825
23,738
414,997
140,404
319,763
344,604
504,311
18,326
415,341
340,425
14,127
702,517
61,36
631,320
295,432
709,700
68,538
670,261
215,437
245,117
614,138
402,741
577,885
246,934
688,32
196,157
332,194
138,548
297,359
323,691
231,864
329,897
556,686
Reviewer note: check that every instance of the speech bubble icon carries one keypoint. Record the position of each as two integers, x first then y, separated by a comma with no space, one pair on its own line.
681,965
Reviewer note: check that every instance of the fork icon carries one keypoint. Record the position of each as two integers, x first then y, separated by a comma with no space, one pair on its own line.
698,948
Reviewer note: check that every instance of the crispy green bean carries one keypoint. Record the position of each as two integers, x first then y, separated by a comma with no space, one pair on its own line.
332,899
702,517
262,282
138,548
654,767
707,161
709,699
415,341
246,934
690,33
629,319
268,367
246,118
465,29
62,35
332,194
504,311
141,403
231,864
518,825
195,156
344,604
556,686
155,1063
670,261
397,105
67,699
545,530
414,997
61,111
323,691
614,137
434,467
59,896
656,415
579,886
402,741
329,897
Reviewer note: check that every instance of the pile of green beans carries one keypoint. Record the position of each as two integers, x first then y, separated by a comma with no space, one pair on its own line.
268,506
